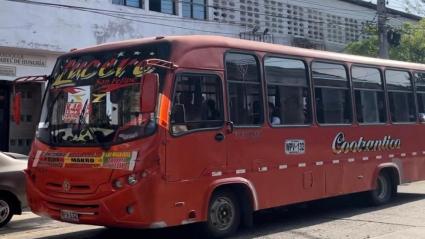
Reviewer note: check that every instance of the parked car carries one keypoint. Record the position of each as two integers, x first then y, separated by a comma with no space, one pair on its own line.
12,185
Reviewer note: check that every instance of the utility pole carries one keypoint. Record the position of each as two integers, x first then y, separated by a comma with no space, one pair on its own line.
382,29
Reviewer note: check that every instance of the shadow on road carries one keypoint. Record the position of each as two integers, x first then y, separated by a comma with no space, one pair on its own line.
24,225
266,222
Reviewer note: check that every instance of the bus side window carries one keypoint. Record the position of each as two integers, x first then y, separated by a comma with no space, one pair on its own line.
197,103
369,95
288,91
420,94
332,93
245,93
400,96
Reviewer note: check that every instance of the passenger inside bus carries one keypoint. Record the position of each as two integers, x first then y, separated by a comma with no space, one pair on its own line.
273,115
197,104
209,111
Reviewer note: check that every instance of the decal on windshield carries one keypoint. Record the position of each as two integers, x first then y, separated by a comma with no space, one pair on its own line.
75,106
121,68
113,160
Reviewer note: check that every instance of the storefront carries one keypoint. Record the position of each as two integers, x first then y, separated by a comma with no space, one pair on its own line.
15,63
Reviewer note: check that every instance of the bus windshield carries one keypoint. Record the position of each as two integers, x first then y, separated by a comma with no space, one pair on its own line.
94,99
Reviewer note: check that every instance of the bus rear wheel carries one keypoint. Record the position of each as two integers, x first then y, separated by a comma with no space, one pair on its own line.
223,215
383,192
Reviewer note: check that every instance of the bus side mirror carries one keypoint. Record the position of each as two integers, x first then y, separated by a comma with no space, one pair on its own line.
149,92
16,107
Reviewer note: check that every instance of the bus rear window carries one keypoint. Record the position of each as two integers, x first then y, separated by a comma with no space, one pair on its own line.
400,96
368,95
288,91
420,91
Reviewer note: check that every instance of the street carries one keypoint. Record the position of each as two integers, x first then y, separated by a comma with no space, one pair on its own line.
343,217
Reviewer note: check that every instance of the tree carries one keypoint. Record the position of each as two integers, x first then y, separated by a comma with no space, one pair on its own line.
411,47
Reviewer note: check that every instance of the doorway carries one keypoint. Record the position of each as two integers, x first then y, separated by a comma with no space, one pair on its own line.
4,116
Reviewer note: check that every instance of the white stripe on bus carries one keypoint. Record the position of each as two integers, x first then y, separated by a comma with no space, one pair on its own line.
283,166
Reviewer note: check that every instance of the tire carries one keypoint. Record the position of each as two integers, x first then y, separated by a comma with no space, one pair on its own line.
383,192
223,217
6,207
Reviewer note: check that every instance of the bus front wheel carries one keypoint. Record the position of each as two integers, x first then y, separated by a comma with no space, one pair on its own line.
223,215
383,192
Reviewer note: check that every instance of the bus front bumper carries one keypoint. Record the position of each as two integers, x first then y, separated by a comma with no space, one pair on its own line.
119,209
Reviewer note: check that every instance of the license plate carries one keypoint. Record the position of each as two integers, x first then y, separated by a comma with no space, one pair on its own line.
69,216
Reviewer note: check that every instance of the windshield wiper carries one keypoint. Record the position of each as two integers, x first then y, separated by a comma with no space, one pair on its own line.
81,121
49,117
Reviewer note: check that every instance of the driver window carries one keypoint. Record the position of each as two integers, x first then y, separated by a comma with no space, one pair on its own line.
197,103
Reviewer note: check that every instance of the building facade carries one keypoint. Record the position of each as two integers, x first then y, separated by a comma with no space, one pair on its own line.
34,33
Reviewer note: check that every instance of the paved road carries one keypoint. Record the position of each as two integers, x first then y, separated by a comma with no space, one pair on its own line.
344,217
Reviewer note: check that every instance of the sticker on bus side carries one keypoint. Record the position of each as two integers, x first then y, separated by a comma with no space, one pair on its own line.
294,146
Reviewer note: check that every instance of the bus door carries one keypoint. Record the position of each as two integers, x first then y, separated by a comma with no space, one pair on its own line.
247,147
195,144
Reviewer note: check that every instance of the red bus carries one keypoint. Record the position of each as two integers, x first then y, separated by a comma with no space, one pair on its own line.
168,131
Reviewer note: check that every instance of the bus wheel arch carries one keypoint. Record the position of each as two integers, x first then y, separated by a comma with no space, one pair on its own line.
394,172
242,189
384,185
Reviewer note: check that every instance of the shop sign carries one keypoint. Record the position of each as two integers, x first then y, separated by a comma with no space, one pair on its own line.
22,60
7,71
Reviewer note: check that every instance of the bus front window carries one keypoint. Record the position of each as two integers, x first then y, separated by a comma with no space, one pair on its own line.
94,99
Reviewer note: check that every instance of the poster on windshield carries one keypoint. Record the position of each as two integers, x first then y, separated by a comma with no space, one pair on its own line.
78,105
72,112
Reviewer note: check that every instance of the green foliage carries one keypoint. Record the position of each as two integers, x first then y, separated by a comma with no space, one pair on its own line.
411,48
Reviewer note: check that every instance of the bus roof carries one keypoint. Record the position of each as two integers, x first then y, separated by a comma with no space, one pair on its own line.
191,42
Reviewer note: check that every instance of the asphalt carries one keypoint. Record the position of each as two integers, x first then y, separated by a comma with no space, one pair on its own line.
346,217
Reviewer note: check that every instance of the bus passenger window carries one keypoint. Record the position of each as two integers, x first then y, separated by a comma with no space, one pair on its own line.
197,103
245,99
288,91
332,93
400,96
369,95
420,92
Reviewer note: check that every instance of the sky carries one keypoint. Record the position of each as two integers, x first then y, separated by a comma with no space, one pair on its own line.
416,7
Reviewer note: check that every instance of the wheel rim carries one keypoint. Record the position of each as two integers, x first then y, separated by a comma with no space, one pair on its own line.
4,210
382,189
222,213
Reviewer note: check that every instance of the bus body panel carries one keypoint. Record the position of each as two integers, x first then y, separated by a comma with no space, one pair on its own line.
182,172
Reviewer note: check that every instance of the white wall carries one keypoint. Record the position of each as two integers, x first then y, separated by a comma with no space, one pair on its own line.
24,25
54,29
14,59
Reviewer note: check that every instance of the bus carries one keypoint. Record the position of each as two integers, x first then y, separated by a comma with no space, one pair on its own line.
167,131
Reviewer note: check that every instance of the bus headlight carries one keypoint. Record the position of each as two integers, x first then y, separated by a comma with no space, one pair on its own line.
132,179
118,184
